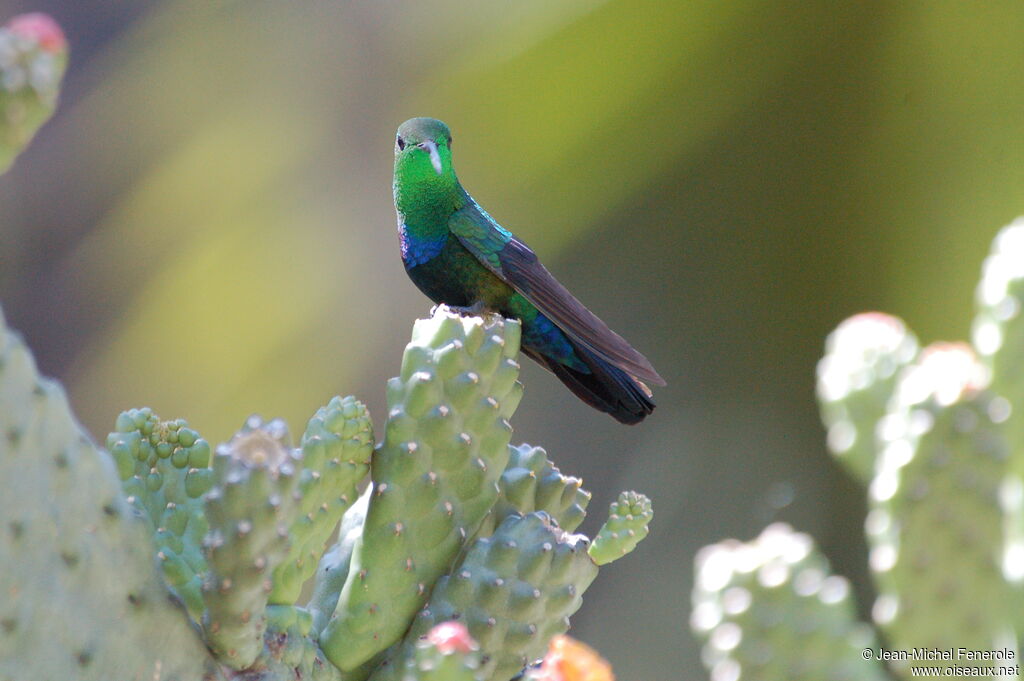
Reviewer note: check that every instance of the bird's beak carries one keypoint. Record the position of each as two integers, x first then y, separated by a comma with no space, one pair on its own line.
435,157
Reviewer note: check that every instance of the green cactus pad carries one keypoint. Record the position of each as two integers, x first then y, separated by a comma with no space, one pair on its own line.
33,56
332,571
336,449
769,610
81,595
164,470
530,483
935,521
434,477
998,331
626,526
514,591
856,378
250,507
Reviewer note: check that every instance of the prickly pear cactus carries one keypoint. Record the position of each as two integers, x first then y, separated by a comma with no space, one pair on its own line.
228,529
82,598
164,471
770,609
33,55
936,437
856,378
250,507
167,559
530,483
626,527
935,524
998,335
336,450
515,590
434,477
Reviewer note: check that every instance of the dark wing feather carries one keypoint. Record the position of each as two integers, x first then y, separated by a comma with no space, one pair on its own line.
518,266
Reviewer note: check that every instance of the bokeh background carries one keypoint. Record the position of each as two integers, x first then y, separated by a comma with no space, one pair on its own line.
206,225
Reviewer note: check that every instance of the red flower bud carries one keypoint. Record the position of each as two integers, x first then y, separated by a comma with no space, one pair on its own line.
41,28
452,636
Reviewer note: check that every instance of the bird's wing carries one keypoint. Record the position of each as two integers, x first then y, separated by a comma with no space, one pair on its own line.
518,266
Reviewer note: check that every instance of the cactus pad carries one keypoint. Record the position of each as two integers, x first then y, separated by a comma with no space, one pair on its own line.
514,591
935,522
856,377
626,526
164,470
434,477
332,571
33,55
81,596
769,610
250,507
530,483
336,450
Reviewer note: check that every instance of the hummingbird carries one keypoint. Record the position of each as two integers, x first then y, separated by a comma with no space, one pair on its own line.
460,256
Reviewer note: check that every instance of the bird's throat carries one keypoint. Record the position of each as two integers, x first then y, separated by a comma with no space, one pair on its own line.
424,207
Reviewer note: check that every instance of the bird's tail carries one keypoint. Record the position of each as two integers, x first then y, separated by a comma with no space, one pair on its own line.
607,388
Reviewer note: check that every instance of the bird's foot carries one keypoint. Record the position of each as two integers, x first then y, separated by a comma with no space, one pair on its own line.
477,309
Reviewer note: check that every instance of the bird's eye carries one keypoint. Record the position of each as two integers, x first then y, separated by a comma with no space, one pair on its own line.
400,142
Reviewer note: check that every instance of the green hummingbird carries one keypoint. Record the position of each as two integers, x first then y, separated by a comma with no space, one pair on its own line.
458,255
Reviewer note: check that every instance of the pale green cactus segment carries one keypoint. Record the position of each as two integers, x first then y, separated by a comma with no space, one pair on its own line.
935,525
434,476
514,591
530,483
33,56
998,335
250,507
81,595
856,378
998,331
770,610
164,470
336,449
628,520
332,571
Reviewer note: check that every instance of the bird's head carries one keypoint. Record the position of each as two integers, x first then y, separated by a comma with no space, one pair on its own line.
423,152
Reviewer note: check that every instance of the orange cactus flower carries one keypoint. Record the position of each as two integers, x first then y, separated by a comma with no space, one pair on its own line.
569,660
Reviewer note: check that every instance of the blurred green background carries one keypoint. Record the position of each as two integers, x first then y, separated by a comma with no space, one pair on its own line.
206,226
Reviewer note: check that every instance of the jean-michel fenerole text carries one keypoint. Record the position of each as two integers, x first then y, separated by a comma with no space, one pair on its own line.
961,654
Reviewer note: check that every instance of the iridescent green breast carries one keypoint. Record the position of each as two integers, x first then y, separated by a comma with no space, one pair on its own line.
455,277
